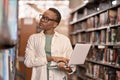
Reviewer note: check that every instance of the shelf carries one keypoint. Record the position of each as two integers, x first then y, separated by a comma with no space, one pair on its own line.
96,29
73,22
87,17
73,33
77,8
92,77
7,46
82,66
8,38
81,77
104,64
102,30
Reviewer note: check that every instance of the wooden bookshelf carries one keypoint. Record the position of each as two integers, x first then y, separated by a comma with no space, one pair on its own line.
93,14
8,38
101,28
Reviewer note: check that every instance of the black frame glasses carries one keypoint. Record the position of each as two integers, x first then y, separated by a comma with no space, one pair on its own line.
45,18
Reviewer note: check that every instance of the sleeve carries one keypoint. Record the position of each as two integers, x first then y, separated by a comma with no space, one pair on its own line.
68,51
67,48
30,59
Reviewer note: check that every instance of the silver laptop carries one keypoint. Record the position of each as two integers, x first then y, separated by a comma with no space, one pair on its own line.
79,54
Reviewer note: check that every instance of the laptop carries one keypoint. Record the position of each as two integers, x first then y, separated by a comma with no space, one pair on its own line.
78,55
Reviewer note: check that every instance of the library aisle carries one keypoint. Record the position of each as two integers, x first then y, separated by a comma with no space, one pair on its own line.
95,22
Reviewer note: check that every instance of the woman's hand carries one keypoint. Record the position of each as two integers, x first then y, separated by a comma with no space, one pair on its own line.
57,59
60,59
63,67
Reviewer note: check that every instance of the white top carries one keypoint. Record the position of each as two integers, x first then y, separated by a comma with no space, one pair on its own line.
35,55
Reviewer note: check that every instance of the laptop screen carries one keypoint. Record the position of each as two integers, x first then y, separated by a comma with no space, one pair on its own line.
79,54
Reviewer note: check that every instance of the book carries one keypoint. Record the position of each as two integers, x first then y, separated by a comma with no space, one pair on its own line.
88,35
96,19
97,37
112,17
99,55
106,23
118,74
118,57
83,37
103,19
90,23
77,26
102,72
85,12
111,56
83,25
6,65
108,36
103,36
112,74
96,70
92,37
118,15
118,34
1,66
113,36
79,37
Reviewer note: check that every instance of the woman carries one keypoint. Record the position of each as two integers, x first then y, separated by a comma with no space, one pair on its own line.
48,52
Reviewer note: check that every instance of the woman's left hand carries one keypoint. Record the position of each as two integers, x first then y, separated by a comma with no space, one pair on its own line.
62,66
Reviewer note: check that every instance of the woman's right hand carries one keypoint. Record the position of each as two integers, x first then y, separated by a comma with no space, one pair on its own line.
60,59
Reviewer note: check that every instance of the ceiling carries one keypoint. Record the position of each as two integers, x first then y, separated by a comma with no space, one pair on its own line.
32,8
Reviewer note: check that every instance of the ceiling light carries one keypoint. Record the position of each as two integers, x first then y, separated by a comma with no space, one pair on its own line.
114,2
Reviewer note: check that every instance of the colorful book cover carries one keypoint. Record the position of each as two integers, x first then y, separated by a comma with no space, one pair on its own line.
118,15
1,66
112,17
6,65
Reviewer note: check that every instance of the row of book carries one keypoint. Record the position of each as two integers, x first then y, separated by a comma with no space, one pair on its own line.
98,72
104,19
91,8
98,25
108,36
105,55
7,64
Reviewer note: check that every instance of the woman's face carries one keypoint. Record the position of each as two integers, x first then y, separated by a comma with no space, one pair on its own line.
47,21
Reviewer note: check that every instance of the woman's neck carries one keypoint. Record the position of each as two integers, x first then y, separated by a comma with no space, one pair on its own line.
49,32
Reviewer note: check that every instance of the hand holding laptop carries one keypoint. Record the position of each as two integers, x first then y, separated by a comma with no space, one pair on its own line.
57,59
78,56
60,59
62,66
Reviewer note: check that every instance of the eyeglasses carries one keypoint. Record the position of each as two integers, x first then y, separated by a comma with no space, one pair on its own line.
45,18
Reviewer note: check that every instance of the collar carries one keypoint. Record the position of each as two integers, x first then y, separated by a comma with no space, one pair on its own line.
56,33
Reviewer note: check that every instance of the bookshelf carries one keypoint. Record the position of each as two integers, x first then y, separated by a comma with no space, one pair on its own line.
8,38
98,23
